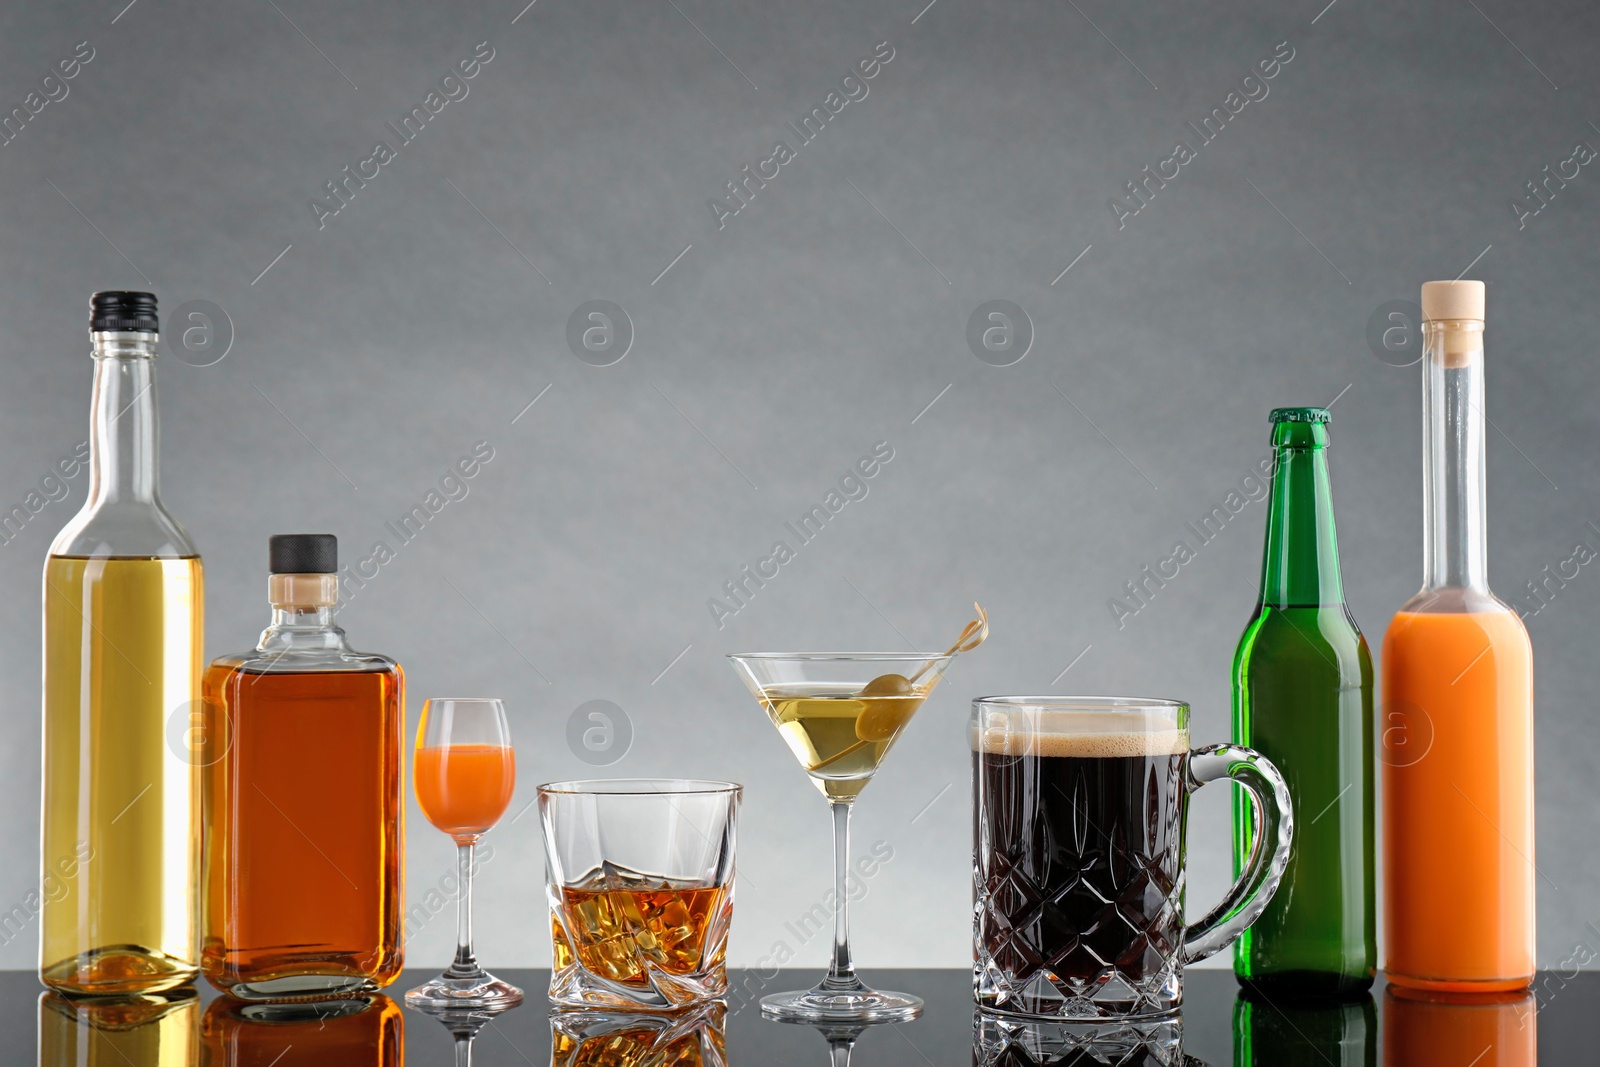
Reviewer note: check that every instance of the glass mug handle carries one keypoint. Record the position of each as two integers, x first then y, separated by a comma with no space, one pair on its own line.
1269,852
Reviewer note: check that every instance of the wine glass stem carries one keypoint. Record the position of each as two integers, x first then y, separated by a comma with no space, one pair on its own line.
466,964
841,971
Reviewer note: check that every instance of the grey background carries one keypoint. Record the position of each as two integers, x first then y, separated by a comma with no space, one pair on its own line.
777,351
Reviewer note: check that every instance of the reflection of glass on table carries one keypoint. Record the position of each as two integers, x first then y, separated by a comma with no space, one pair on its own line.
632,1039
464,1025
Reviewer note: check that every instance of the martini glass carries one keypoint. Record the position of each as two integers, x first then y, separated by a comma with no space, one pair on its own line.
840,714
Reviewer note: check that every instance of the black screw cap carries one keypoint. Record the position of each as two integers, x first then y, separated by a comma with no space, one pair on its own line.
121,309
303,554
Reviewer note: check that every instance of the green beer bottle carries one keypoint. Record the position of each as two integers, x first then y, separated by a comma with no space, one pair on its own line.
1302,696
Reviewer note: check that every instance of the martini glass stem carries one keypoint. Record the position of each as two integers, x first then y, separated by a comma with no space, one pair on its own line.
841,970
465,964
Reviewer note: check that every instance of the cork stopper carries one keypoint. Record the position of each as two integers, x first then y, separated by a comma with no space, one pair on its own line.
1452,300
1452,321
303,592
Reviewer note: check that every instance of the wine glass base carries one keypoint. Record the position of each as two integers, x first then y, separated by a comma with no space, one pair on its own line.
480,991
861,1005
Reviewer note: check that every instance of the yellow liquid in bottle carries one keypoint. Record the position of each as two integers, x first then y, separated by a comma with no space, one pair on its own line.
122,649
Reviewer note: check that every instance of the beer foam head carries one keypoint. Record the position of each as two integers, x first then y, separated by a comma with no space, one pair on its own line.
1085,734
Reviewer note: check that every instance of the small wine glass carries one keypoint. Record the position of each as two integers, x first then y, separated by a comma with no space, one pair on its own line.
463,771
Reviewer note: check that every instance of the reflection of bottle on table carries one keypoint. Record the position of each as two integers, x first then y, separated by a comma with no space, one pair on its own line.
358,1032
1424,1029
1271,1033
154,1030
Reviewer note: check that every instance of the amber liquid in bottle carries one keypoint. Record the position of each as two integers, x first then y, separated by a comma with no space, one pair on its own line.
304,842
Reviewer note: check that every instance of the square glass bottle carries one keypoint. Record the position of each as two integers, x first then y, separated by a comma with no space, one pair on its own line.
304,839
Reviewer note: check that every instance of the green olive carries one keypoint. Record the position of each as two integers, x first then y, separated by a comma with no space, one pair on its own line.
881,719
887,685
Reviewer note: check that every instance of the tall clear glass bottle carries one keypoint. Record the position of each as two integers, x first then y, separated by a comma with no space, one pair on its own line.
1302,697
1457,708
305,839
123,608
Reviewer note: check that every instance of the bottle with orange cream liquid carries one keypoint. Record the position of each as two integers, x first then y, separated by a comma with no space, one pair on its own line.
1456,714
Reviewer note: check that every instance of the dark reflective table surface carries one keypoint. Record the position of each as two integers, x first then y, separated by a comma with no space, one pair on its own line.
1217,1026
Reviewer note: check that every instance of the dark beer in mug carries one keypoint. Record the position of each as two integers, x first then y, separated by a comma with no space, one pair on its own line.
1078,854
1084,857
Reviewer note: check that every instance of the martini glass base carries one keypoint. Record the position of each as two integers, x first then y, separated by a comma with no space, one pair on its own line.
860,1005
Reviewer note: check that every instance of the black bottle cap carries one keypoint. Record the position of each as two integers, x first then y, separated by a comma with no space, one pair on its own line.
121,309
303,554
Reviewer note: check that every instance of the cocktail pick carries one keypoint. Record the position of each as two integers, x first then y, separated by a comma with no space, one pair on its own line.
972,635
891,699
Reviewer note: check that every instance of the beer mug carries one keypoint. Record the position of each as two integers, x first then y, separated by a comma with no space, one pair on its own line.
1078,853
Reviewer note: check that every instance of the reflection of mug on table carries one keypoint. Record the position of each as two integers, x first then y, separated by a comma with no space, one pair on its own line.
1078,853
1013,1041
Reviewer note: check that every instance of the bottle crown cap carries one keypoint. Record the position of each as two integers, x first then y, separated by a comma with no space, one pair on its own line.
1299,415
123,310
1452,300
303,554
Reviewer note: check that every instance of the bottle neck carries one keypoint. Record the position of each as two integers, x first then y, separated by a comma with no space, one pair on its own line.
294,617
1300,565
124,435
1454,551
302,614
